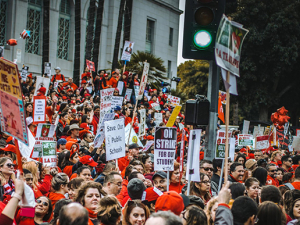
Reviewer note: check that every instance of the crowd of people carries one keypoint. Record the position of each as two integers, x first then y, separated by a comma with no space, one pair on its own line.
84,188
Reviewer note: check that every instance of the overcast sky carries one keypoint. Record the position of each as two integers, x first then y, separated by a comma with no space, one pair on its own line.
182,7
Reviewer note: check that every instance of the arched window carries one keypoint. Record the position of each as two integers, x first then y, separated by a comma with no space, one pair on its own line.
3,7
63,30
34,20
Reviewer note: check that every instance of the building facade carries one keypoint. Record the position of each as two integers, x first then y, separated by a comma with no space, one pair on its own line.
154,28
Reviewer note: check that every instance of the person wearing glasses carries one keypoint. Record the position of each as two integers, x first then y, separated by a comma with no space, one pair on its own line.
206,167
112,184
7,170
272,173
201,189
287,163
43,210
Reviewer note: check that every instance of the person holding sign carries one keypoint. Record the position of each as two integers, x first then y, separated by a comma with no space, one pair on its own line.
86,75
175,182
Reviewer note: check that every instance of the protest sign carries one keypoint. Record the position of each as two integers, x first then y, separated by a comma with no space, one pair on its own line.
195,152
99,138
133,137
25,150
24,72
296,143
155,106
230,37
114,139
158,118
120,86
258,131
42,82
90,65
142,125
45,130
47,69
116,101
12,113
246,125
128,94
220,146
39,109
143,81
49,153
106,98
262,142
173,116
136,90
245,139
174,100
164,148
222,95
148,145
127,50
283,139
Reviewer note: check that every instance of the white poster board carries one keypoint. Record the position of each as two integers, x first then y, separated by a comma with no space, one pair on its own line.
142,124
42,82
127,50
195,160
246,125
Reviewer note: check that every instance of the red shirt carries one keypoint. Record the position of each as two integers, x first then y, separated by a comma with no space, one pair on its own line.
58,77
123,163
296,185
272,181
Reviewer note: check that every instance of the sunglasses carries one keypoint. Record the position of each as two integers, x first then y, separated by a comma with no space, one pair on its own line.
290,160
272,171
29,179
40,201
207,169
10,165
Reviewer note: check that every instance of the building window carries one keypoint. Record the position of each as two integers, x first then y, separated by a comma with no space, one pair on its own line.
149,36
3,5
34,26
169,69
171,37
63,30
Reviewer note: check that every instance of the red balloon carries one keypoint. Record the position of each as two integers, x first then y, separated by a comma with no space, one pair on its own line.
12,42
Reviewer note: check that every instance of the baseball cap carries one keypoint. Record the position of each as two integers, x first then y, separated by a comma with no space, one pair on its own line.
61,141
134,145
152,194
83,82
170,200
10,148
162,174
88,160
117,108
57,68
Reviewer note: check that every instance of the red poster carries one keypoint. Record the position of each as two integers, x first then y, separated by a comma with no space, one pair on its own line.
90,65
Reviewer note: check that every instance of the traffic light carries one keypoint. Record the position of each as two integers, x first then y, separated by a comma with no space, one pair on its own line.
202,18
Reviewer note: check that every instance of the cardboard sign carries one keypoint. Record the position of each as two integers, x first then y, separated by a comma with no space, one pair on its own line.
155,106
114,139
116,101
296,143
128,94
174,100
262,142
258,131
39,109
49,153
133,136
148,145
99,138
144,80
127,50
120,86
195,176
106,99
42,82
90,65
173,116
47,68
142,125
221,143
136,90
45,130
158,118
246,125
245,139
283,139
164,148
12,114
24,73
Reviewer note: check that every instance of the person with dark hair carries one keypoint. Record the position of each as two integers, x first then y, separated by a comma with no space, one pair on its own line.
135,212
287,163
244,210
261,175
215,179
175,182
272,173
112,184
237,189
73,187
206,167
194,215
73,214
262,163
43,210
236,172
279,175
252,188
241,159
296,183
270,193
270,213
63,118
202,188
84,172
110,211
294,212
109,167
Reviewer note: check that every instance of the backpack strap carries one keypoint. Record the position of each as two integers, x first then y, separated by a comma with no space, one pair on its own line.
290,186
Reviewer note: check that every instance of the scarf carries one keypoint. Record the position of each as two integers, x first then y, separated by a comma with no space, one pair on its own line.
92,214
9,187
63,124
96,119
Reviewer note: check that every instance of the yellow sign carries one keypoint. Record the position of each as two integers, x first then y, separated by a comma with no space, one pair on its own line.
172,118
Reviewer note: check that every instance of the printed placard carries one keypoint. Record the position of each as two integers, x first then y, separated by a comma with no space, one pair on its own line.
174,100
90,65
99,138
142,125
245,139
42,82
49,153
116,101
39,109
127,50
47,69
24,72
128,94
158,118
164,148
262,142
114,139
144,80
148,145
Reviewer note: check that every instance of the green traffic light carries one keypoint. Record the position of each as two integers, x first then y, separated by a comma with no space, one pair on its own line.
202,39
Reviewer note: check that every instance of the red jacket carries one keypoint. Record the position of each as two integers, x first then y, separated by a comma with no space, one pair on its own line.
123,163
45,185
272,181
123,194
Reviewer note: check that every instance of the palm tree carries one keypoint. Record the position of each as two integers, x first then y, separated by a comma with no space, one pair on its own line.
76,67
118,35
157,71
98,33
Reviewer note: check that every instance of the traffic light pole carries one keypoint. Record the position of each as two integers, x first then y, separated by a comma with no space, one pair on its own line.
212,96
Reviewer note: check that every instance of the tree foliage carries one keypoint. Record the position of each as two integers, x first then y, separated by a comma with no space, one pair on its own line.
270,56
194,78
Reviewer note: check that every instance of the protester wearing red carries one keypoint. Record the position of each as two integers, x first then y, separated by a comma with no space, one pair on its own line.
58,76
114,80
271,178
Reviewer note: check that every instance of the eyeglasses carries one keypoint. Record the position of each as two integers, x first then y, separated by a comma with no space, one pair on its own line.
38,201
207,168
272,171
10,165
116,92
205,182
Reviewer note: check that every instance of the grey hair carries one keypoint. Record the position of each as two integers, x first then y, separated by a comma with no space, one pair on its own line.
168,217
